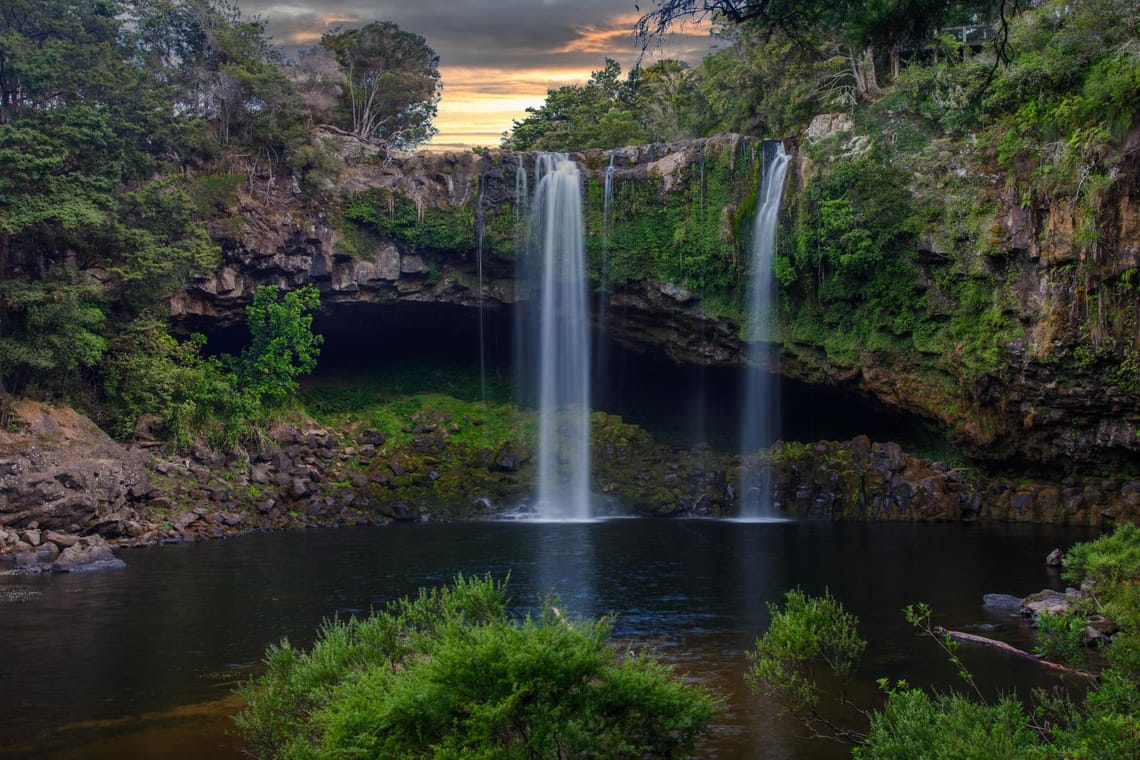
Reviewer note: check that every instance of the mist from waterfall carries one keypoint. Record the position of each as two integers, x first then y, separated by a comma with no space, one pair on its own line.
760,422
555,333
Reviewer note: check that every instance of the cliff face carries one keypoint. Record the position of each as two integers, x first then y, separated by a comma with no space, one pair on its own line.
1022,337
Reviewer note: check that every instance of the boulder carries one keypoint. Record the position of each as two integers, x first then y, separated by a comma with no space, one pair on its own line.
1002,603
1053,602
90,554
60,470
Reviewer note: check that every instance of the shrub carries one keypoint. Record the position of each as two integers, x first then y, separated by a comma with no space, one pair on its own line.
450,674
808,633
915,724
1062,637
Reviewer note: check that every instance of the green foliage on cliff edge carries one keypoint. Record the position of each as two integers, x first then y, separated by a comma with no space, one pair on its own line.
693,235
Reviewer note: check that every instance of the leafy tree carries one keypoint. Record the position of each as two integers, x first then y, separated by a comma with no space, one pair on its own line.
318,79
598,114
283,344
667,101
51,329
450,674
392,84
149,377
882,24
216,65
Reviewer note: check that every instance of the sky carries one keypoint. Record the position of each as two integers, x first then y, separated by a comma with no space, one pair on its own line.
497,57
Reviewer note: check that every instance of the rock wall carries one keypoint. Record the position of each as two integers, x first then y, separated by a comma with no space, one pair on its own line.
61,478
1063,390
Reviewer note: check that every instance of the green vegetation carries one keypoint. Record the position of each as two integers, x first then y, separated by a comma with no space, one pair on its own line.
114,168
814,633
893,243
452,674
387,79
808,633
172,390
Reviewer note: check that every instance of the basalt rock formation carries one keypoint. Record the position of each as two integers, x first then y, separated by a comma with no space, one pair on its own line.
1045,372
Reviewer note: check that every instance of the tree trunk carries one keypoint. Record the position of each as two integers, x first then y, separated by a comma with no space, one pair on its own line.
970,638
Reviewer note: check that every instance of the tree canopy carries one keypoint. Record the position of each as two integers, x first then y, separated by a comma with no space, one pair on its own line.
125,125
392,84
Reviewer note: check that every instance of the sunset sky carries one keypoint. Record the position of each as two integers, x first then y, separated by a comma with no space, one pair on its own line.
497,57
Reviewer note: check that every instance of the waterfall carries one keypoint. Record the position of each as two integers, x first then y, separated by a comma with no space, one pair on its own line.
602,305
760,423
556,338
480,231
520,193
607,207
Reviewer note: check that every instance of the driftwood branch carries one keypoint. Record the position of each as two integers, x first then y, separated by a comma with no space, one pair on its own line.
970,638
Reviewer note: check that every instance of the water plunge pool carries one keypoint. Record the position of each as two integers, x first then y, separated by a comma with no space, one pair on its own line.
140,662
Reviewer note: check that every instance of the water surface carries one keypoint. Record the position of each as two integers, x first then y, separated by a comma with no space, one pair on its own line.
140,662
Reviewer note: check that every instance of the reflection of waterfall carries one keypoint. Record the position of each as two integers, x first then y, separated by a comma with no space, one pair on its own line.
761,419
557,347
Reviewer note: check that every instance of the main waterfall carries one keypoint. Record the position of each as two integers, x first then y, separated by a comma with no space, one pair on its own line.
556,338
760,423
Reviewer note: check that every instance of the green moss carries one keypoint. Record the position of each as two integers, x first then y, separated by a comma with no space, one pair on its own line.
693,235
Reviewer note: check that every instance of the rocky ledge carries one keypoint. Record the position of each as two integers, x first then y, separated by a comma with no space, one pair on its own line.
69,494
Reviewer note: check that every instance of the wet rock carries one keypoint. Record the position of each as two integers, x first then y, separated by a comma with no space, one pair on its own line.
1056,558
90,554
1002,603
1053,602
61,540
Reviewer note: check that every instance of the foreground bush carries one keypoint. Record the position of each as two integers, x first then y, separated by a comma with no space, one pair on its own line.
810,634
450,674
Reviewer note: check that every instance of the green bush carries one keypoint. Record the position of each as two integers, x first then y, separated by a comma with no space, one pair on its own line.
1062,637
451,675
1108,560
914,724
809,633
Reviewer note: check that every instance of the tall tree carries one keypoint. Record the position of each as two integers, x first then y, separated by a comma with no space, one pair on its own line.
867,29
392,83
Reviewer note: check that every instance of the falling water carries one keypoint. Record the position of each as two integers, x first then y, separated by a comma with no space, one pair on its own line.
607,206
761,420
480,230
602,307
520,193
559,342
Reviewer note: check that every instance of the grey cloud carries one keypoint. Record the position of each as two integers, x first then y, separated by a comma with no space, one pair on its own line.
506,34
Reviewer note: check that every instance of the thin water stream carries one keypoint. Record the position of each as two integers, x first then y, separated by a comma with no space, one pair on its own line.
141,662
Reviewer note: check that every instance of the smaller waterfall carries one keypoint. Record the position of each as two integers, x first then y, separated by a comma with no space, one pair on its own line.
559,342
480,231
761,420
602,305
607,210
520,194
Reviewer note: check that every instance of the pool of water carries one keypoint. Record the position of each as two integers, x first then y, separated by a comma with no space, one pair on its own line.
141,662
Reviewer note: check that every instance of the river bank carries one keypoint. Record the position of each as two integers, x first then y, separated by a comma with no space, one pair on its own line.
69,494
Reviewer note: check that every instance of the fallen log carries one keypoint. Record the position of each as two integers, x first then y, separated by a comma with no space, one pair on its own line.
970,638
